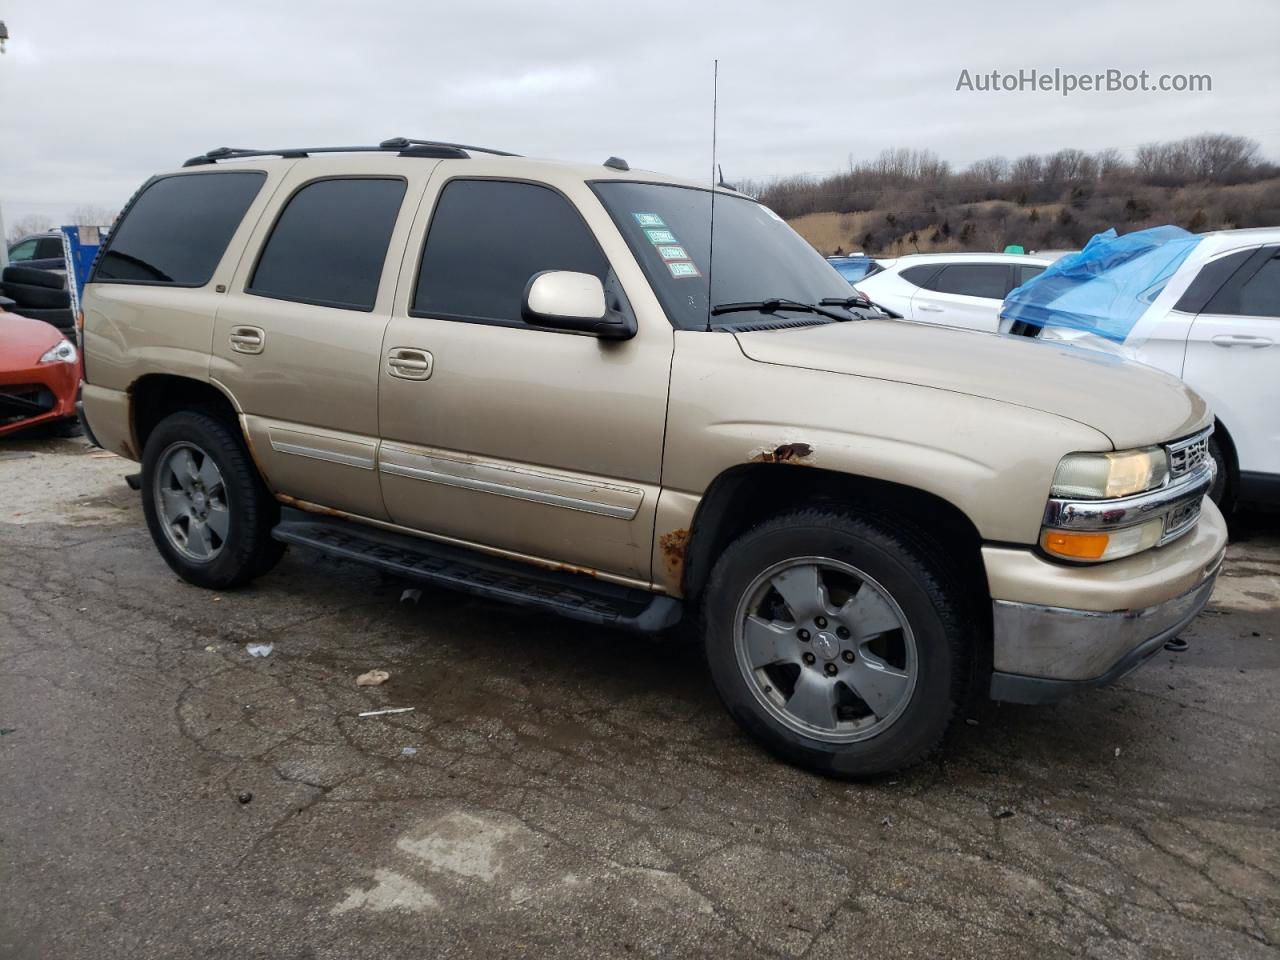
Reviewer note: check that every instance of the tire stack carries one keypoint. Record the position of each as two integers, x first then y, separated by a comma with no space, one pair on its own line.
40,295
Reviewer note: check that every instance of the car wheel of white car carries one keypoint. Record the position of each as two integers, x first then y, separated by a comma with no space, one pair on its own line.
838,642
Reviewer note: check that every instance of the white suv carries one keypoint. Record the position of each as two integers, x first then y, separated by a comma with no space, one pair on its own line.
954,289
1216,324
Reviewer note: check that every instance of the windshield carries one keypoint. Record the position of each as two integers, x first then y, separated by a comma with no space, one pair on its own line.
757,256
1104,289
856,268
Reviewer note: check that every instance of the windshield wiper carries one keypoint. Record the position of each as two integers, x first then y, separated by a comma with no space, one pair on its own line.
861,302
776,304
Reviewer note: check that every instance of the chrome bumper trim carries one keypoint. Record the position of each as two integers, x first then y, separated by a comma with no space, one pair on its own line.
1086,646
1177,502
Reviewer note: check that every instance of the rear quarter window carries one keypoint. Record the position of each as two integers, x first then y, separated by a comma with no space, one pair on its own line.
177,228
921,275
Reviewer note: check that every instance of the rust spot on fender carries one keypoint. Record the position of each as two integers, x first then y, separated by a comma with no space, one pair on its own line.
796,453
673,546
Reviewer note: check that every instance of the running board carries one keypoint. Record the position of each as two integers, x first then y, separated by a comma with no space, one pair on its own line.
573,595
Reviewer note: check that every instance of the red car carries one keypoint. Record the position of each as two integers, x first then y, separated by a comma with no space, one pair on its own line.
39,374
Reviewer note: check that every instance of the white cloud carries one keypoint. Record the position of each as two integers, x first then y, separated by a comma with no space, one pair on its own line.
96,97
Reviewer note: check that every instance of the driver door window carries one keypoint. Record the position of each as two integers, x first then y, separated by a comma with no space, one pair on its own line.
487,238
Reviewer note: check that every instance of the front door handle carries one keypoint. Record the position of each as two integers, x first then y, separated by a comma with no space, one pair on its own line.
248,339
929,308
409,363
1241,340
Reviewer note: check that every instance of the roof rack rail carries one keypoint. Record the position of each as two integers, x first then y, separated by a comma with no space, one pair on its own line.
402,146
400,142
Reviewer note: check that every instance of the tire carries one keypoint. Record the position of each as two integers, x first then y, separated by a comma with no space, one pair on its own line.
29,295
1222,493
33,277
909,581
224,539
63,319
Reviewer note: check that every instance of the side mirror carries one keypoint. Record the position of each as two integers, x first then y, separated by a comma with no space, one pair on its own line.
564,300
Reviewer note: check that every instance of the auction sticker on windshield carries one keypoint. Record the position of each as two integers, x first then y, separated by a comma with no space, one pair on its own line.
669,252
660,236
649,220
683,268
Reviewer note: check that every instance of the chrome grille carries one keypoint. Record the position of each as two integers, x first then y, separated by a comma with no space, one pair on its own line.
1186,455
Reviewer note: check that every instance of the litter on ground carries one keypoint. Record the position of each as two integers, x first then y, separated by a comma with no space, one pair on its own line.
381,713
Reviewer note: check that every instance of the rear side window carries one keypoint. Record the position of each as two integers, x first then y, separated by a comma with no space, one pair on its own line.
989,280
1025,273
177,228
330,242
487,238
1211,278
1259,296
920,275
48,248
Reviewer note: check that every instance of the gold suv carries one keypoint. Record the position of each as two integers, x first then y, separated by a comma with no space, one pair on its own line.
532,381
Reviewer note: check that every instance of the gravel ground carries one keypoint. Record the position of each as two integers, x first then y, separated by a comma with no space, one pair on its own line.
561,790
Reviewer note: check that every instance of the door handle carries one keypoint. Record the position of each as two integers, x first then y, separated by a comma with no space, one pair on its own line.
1241,340
929,308
409,363
248,339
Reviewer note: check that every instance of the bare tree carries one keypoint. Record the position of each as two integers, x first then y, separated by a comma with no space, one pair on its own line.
990,170
91,215
31,223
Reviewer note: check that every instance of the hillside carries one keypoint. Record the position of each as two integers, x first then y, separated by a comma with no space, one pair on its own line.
910,201
993,224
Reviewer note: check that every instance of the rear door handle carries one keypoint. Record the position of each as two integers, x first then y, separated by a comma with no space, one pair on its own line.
929,308
248,339
1241,340
409,363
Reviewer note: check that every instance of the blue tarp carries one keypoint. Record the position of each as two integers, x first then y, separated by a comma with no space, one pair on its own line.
1105,287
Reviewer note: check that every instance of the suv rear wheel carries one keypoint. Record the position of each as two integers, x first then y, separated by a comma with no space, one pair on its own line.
837,642
207,509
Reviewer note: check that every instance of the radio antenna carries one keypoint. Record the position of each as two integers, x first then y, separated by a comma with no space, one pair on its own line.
711,246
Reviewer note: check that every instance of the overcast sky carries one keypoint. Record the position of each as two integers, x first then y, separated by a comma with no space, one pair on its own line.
95,97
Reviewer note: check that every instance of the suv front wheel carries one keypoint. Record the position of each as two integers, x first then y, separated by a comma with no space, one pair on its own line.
207,509
838,642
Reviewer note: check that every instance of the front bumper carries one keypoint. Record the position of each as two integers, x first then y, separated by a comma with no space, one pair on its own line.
1059,629
34,395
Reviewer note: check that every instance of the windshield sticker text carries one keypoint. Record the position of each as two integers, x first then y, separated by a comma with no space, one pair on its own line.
660,236
649,220
669,252
682,268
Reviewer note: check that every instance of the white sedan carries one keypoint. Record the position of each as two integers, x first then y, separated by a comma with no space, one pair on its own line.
953,289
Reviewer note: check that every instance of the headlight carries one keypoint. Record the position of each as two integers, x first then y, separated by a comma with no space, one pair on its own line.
1105,476
64,352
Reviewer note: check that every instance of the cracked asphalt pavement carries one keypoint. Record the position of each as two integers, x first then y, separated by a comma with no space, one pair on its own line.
560,790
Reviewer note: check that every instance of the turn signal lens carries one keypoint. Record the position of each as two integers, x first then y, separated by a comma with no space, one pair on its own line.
1094,547
1075,546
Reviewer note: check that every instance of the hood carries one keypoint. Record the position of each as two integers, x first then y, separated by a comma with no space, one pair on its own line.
1131,403
24,341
